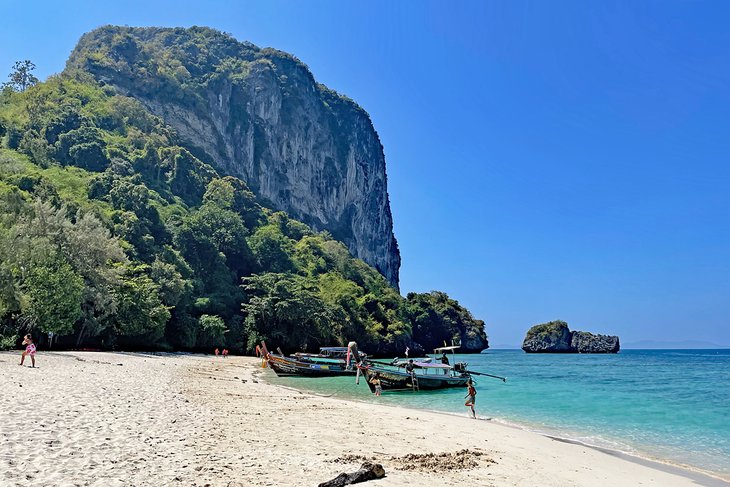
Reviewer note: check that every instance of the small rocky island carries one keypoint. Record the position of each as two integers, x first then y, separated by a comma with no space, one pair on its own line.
556,337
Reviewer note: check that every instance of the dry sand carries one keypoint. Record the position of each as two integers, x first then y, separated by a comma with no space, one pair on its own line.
113,419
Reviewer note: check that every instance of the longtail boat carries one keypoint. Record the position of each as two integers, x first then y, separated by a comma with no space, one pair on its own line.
423,376
417,375
330,361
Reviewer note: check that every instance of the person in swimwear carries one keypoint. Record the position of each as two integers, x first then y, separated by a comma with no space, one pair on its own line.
471,397
375,381
29,350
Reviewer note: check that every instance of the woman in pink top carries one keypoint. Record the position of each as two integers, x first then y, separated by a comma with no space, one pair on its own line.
29,350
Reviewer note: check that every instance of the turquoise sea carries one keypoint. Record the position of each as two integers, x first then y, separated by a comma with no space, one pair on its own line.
667,405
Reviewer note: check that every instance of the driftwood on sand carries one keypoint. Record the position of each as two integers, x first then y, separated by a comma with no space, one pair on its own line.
368,471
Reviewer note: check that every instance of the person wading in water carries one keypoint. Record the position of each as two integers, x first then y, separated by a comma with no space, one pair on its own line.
471,397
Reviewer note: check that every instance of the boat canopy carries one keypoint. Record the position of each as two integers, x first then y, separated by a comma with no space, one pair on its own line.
398,360
425,365
324,360
446,349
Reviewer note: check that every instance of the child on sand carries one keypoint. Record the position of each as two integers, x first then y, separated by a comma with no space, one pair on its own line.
29,350
471,397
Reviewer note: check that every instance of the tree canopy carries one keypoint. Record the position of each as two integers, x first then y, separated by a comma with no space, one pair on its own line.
114,234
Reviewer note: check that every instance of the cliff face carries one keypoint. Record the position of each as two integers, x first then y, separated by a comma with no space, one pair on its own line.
474,341
259,115
556,337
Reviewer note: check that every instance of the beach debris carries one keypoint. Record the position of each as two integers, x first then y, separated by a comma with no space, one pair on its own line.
368,471
465,459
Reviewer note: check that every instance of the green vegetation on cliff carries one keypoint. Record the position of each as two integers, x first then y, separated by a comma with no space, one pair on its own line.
545,330
113,234
259,115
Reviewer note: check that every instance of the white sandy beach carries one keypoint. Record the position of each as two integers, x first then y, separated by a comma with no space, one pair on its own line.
112,419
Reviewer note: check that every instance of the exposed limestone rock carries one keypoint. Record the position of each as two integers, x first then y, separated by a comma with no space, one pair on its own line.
473,342
585,342
556,337
259,115
552,337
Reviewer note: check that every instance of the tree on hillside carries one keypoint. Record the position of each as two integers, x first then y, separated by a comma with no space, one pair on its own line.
286,309
53,295
21,77
435,318
87,246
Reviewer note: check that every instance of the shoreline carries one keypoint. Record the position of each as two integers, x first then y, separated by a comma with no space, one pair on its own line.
701,477
178,419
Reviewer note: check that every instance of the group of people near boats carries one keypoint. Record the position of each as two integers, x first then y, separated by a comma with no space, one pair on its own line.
410,374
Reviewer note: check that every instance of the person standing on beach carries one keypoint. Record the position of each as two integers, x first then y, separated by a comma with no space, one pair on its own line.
225,353
217,352
375,381
471,397
29,350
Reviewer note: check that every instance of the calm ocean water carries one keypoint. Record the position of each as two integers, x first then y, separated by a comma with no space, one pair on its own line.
670,405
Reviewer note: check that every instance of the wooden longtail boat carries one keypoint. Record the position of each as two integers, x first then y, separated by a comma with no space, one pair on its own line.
330,361
416,375
425,376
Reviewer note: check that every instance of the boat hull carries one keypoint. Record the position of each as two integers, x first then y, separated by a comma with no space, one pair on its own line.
285,366
403,381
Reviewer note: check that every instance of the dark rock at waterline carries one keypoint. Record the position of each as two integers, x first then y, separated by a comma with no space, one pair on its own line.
556,337
585,342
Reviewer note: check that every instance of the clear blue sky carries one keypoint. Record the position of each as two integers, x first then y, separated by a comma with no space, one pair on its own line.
546,160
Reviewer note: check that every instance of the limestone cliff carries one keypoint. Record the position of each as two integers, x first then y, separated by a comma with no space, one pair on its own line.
556,337
259,115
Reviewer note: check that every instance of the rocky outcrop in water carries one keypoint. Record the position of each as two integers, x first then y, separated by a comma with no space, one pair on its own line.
556,337
553,337
258,114
585,342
